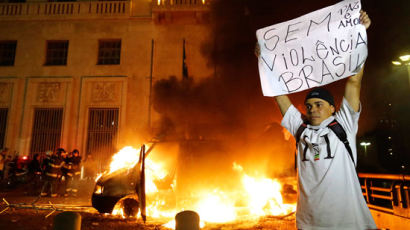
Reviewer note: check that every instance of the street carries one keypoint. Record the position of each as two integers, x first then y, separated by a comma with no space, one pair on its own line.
40,216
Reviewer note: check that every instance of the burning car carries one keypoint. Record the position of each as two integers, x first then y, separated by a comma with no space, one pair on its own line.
188,183
122,189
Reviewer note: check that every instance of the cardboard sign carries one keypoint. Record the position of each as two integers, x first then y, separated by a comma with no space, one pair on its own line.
313,50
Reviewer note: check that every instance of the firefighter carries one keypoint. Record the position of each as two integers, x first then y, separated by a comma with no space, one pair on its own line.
76,173
34,175
68,173
45,161
52,173
65,171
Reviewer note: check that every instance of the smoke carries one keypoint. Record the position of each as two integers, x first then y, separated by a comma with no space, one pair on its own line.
229,106
225,118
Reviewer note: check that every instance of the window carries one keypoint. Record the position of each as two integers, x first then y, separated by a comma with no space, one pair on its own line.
57,52
7,52
109,52
3,123
46,133
101,134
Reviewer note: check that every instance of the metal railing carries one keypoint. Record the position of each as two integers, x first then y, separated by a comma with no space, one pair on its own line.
90,8
93,8
180,4
387,192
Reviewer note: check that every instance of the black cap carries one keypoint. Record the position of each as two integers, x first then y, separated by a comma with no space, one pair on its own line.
321,93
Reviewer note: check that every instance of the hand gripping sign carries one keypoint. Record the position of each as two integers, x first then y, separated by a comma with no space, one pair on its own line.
313,50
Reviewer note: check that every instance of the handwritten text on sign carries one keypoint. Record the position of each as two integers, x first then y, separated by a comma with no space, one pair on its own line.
315,49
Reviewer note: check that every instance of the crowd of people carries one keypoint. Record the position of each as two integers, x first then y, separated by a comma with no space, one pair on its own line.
54,174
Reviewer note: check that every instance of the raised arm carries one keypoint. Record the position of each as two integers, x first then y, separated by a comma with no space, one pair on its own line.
284,103
352,90
354,83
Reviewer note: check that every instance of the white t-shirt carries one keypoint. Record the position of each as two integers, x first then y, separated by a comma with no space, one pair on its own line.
329,193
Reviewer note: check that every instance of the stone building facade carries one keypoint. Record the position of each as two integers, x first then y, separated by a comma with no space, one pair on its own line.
78,74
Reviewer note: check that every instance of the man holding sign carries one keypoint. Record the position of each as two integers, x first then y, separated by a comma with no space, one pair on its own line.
313,50
329,192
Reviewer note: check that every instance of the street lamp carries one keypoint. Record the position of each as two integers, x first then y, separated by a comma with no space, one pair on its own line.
404,61
365,144
405,58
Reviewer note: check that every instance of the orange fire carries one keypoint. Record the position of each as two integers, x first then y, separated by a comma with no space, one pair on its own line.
127,157
254,197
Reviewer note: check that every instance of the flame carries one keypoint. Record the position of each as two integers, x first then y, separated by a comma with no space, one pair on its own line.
255,196
99,175
170,224
264,196
127,157
237,167
216,207
117,211
154,172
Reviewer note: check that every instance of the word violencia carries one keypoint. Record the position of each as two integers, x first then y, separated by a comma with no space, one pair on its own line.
330,55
